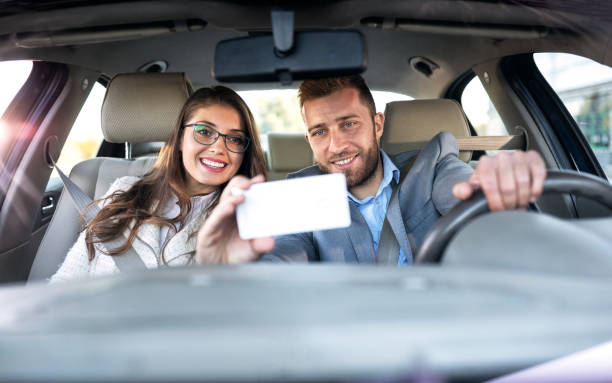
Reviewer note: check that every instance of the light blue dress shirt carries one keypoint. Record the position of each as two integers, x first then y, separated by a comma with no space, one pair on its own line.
374,208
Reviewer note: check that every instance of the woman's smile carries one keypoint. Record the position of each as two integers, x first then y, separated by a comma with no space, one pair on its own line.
213,165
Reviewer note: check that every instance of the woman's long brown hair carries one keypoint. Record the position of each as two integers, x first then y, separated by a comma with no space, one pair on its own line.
144,201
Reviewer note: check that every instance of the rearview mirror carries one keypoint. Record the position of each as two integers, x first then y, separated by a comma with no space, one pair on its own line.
314,55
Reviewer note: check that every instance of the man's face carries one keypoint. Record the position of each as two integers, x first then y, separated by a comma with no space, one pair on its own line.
343,135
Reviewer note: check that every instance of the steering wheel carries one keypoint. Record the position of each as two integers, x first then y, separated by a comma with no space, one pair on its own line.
444,230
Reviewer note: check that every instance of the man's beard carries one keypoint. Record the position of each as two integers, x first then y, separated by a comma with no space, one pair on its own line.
358,177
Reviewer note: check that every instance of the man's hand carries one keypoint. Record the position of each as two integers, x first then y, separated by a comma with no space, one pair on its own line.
218,239
508,180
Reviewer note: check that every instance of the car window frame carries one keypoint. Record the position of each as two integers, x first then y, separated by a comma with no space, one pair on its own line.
30,105
454,92
568,145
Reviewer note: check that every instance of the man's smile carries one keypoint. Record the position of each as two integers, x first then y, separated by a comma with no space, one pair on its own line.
344,162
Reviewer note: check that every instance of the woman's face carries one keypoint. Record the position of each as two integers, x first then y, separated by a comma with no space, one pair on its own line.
208,166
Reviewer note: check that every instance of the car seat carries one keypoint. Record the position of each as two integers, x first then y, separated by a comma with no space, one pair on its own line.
287,152
137,108
410,125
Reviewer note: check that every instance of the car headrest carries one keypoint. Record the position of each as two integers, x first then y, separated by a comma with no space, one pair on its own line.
143,107
409,125
288,152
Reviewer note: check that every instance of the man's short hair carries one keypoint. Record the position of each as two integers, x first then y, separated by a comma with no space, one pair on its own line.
313,89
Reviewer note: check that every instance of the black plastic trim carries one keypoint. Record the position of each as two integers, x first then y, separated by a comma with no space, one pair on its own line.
558,127
456,88
104,80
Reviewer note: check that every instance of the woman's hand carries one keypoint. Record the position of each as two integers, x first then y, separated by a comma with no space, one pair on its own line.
218,238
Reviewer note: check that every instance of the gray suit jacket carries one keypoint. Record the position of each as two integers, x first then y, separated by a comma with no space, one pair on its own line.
425,194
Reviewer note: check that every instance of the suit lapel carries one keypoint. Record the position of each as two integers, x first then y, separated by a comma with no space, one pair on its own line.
403,202
357,234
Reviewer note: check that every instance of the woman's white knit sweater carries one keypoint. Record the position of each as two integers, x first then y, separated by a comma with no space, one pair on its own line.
148,244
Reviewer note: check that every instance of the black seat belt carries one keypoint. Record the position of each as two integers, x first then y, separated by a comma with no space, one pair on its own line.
129,260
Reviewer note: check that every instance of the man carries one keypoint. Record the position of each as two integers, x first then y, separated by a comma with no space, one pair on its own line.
343,130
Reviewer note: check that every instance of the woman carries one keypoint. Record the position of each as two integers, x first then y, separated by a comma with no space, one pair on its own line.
159,214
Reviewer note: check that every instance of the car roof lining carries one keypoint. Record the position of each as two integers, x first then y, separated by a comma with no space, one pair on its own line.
388,51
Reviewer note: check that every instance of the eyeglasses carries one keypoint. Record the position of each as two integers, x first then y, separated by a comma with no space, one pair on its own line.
205,135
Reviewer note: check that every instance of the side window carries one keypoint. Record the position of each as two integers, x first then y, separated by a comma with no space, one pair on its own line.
85,136
585,87
13,74
480,111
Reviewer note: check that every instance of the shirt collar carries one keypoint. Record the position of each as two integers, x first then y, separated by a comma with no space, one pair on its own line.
390,172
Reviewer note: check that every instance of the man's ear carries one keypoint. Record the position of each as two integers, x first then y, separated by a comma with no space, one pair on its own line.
379,124
307,138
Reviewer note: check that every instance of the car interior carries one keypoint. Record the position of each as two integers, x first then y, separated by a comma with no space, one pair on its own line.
151,55
123,122
439,59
